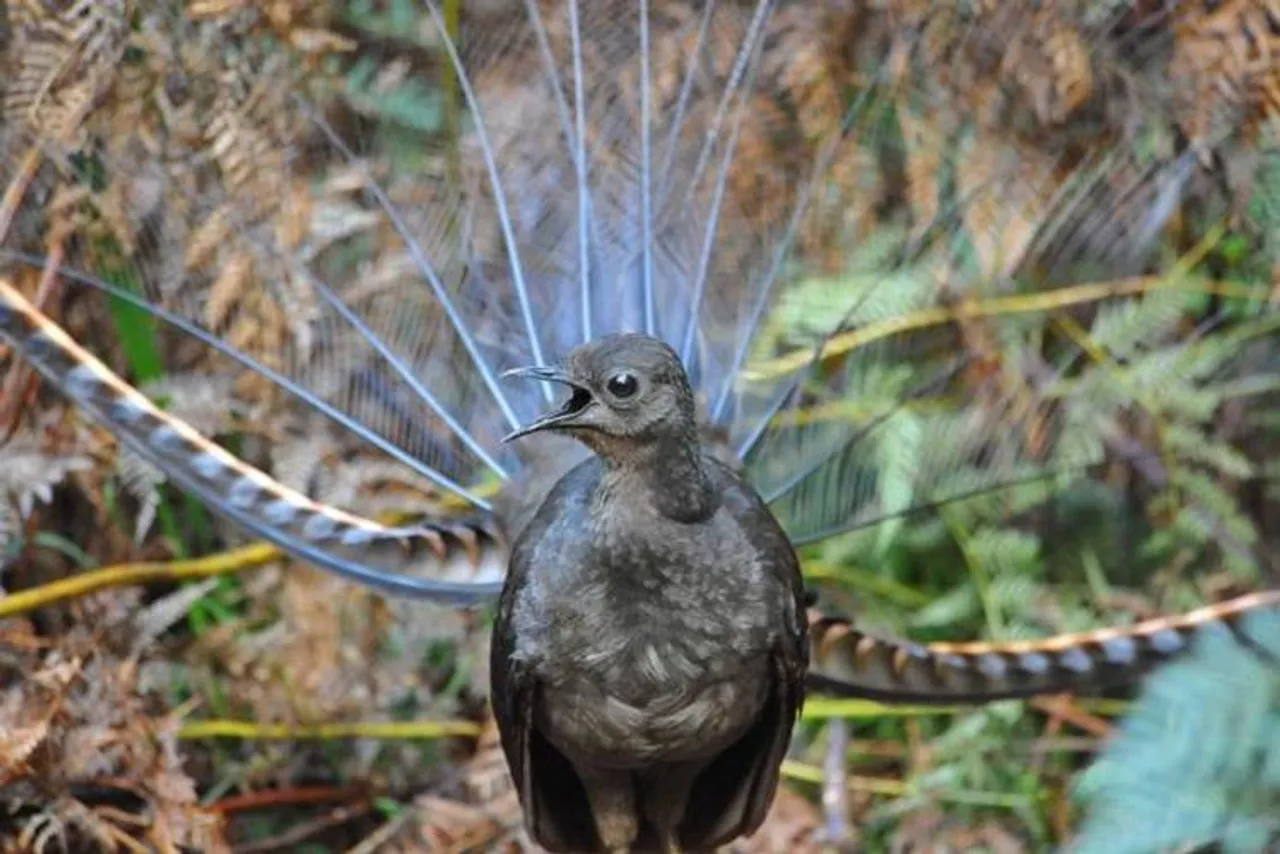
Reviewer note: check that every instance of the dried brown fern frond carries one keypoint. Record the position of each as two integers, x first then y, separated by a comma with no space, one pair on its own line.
33,470
37,459
85,762
204,132
302,24
61,59
1229,53
1063,123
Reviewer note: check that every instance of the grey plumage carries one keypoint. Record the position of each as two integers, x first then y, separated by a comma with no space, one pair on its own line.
493,273
650,650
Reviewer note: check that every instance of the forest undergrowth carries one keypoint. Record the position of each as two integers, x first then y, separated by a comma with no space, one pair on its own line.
1076,196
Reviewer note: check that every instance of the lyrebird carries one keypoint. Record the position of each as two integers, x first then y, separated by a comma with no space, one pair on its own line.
665,171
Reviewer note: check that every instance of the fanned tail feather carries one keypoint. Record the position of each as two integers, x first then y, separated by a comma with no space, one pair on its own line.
522,212
848,662
707,171
464,560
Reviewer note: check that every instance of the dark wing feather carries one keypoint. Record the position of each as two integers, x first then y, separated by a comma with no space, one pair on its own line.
557,813
732,796
511,688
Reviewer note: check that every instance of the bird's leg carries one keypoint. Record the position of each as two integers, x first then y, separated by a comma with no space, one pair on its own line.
613,806
664,796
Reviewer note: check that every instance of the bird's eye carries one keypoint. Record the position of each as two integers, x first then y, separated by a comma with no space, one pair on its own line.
623,385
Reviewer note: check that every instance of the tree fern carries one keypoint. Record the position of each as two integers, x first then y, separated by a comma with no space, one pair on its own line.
1197,761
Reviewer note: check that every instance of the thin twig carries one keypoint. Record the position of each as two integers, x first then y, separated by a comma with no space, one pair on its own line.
870,785
375,840
17,189
127,574
822,708
294,796
1001,306
253,556
1062,707
405,730
901,788
1052,728
835,792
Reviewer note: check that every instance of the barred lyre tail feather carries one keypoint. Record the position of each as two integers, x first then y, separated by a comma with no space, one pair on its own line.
851,663
708,171
846,661
324,535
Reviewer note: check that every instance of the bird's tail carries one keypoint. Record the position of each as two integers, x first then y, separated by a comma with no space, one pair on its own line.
837,250
380,233
851,663
463,560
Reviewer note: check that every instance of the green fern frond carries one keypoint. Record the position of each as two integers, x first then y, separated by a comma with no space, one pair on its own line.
1264,203
1125,327
899,451
1194,445
408,102
1197,761
1214,515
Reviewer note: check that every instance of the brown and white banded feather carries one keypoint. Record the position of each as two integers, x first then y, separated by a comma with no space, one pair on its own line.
473,553
464,559
849,662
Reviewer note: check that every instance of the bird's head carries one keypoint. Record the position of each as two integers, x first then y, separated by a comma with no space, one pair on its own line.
626,391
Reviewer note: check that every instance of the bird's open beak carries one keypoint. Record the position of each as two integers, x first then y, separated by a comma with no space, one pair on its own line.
577,403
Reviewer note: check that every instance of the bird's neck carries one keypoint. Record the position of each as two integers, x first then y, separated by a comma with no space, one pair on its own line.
672,474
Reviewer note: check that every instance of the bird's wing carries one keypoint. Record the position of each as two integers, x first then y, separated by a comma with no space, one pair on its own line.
512,692
557,813
732,796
